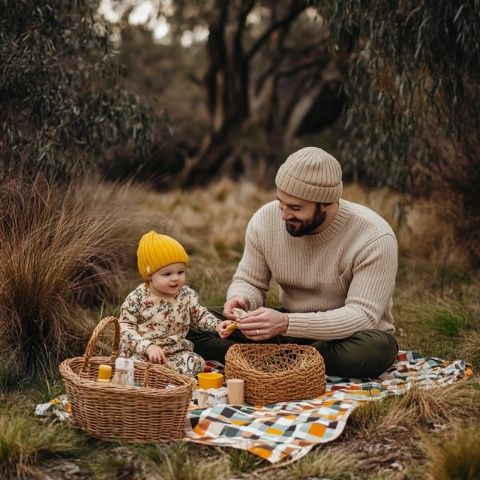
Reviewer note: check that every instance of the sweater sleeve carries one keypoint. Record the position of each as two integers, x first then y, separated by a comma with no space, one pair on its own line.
200,317
252,278
369,294
131,340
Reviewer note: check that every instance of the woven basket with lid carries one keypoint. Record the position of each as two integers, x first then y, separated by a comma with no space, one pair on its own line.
276,373
153,412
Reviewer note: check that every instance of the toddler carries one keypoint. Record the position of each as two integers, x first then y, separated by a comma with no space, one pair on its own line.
155,317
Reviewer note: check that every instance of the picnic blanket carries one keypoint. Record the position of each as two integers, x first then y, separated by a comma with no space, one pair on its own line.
288,431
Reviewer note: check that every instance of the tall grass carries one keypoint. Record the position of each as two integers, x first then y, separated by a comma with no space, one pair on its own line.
333,464
61,250
447,317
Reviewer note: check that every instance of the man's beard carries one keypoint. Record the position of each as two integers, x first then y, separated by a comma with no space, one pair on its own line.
306,227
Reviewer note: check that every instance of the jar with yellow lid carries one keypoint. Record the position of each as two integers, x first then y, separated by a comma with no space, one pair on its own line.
104,373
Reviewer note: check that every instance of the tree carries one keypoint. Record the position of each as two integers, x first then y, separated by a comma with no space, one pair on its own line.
62,109
268,75
413,89
264,79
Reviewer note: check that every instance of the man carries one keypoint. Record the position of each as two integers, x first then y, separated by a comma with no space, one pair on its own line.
335,263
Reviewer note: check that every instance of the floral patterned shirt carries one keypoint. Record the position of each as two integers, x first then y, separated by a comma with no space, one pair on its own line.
147,319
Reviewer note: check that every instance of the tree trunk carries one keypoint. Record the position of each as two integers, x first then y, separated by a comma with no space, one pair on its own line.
233,104
226,83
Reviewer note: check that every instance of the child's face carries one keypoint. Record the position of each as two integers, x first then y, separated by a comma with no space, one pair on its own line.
168,280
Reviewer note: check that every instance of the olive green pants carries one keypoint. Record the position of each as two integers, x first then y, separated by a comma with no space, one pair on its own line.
365,354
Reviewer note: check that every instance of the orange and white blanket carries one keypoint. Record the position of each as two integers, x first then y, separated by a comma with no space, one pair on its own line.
288,431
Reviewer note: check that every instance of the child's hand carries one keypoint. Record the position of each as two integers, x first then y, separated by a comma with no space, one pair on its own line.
156,355
225,328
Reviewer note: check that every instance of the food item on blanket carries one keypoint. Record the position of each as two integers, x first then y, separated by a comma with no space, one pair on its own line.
202,398
210,380
104,373
231,327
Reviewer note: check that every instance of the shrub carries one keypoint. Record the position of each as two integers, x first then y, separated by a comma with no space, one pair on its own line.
62,250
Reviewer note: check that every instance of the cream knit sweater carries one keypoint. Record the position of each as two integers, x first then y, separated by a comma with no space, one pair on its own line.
334,283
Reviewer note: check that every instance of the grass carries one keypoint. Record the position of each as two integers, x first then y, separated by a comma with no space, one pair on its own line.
454,455
27,444
333,463
448,317
70,259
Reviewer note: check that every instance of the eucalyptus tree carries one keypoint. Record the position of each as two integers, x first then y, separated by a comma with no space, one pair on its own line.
265,76
267,65
414,89
61,107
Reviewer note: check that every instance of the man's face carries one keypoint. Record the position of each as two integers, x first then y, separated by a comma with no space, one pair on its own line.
301,217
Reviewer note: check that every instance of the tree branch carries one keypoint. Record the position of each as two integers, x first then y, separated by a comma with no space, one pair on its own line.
245,9
289,18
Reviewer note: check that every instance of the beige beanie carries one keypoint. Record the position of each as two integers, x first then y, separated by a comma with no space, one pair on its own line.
311,174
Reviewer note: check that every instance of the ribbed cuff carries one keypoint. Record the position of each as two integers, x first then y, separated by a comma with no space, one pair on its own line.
250,293
297,327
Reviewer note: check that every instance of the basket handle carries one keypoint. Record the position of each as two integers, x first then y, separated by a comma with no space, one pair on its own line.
92,343
145,377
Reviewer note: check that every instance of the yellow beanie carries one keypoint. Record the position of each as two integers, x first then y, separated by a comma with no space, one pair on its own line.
156,251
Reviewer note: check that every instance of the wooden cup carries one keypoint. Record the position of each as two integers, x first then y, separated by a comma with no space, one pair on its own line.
235,388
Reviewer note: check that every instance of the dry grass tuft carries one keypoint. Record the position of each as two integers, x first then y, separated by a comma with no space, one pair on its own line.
331,463
60,249
428,408
455,455
380,417
443,405
470,347
177,462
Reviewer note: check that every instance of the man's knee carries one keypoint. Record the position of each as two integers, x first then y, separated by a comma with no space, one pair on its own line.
367,353
381,351
378,340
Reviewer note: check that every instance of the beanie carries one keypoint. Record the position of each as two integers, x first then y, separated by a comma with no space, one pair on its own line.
156,251
311,174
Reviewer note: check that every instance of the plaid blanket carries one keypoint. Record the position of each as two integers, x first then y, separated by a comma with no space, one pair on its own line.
288,431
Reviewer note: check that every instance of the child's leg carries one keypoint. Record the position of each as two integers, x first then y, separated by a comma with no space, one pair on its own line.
187,362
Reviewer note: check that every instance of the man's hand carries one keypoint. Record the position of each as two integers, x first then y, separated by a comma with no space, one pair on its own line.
263,323
235,302
156,355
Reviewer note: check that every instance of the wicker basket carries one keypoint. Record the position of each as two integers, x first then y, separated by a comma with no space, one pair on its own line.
150,413
276,373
